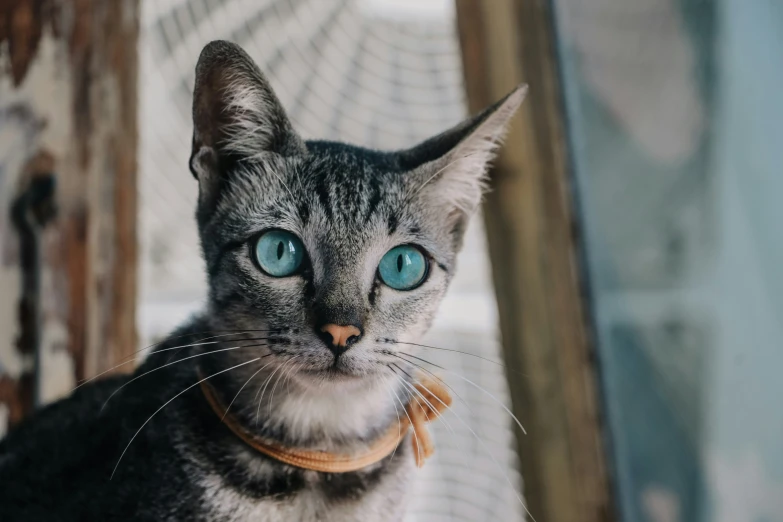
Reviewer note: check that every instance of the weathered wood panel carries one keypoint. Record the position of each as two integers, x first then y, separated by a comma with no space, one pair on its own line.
533,243
67,109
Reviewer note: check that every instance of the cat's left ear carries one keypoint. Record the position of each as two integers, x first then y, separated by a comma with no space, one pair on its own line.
450,169
236,116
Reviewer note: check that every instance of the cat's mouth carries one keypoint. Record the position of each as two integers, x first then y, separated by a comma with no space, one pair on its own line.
338,371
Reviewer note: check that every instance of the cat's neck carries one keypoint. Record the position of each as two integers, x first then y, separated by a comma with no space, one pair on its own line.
273,402
333,416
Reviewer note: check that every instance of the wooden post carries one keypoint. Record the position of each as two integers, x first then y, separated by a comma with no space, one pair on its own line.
533,243
68,114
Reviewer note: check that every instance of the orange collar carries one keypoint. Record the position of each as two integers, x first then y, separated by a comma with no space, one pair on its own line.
433,399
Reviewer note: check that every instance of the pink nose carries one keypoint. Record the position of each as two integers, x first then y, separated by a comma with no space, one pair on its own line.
342,335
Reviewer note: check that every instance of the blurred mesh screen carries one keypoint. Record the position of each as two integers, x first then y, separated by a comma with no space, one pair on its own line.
378,73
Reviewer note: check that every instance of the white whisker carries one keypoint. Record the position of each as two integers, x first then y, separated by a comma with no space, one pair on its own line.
399,420
500,468
498,401
418,444
170,364
131,358
290,363
431,406
491,455
436,377
169,402
266,383
242,388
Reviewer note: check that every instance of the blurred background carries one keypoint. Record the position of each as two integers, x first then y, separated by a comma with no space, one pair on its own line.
622,270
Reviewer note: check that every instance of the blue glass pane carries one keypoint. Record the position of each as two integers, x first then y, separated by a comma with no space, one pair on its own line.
675,120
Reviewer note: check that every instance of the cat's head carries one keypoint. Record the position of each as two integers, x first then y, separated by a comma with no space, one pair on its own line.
330,252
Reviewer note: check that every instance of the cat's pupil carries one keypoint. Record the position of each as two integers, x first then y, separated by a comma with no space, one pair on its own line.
399,263
280,248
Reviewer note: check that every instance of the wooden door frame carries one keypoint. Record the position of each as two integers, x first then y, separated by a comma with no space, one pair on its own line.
534,246
68,114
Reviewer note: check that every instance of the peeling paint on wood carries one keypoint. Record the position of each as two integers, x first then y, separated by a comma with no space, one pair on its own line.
21,27
68,88
33,208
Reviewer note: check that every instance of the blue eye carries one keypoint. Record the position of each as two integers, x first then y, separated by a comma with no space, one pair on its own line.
403,267
279,253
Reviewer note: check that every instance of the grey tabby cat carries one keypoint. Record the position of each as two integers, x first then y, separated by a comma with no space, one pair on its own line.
323,260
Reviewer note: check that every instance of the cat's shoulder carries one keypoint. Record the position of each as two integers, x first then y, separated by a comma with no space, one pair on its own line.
53,425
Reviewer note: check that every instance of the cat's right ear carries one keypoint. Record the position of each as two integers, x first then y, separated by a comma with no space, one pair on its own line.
236,117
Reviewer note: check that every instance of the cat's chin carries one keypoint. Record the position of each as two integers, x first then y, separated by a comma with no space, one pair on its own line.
334,377
332,373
